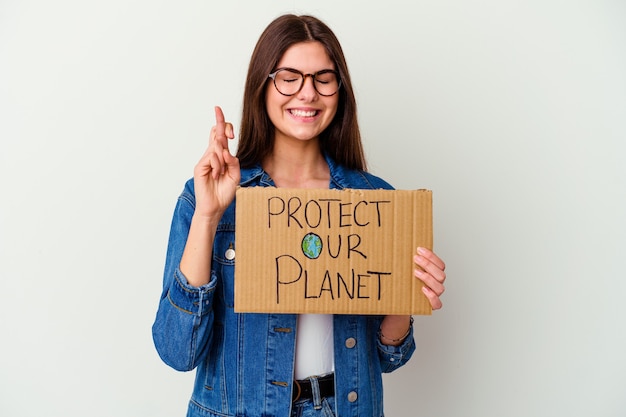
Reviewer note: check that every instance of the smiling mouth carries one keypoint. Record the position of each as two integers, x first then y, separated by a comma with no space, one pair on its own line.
303,113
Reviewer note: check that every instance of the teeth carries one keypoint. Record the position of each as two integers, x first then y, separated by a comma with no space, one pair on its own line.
303,113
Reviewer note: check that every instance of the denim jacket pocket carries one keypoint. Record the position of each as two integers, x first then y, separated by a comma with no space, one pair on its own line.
224,253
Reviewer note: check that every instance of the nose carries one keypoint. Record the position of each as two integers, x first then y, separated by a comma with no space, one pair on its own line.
308,91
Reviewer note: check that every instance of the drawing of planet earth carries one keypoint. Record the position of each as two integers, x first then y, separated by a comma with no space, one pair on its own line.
311,246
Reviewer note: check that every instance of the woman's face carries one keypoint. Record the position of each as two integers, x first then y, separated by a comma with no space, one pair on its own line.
304,115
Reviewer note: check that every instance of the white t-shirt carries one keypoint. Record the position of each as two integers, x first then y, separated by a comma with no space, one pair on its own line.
314,345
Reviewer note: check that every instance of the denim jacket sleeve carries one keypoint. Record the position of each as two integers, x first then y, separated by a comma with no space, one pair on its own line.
393,357
182,328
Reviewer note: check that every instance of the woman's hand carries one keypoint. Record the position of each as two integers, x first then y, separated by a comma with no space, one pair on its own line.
217,174
431,271
216,177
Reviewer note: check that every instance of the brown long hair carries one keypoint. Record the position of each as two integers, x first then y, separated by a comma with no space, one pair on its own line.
341,140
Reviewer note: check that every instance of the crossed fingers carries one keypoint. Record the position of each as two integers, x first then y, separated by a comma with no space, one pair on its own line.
218,144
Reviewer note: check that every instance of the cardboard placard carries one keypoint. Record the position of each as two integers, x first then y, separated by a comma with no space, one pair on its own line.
330,251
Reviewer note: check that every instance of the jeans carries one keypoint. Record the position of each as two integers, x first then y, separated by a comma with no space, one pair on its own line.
317,406
307,408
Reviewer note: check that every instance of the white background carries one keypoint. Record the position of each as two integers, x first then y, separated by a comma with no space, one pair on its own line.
512,112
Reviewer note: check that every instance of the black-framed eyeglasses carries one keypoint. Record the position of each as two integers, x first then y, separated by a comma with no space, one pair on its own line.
289,81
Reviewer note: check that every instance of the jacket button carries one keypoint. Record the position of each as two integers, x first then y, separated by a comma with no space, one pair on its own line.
352,396
350,342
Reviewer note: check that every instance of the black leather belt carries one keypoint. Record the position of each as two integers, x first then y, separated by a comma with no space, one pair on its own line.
302,389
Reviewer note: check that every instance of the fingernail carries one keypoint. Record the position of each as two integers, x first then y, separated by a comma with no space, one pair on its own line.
421,250
418,273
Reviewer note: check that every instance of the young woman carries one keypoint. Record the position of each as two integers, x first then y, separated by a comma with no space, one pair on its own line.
299,130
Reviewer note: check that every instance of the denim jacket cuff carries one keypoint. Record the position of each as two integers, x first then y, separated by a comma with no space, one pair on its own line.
192,300
395,356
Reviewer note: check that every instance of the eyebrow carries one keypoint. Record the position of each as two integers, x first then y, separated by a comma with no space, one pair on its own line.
306,73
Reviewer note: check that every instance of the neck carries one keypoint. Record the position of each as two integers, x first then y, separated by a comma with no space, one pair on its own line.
299,166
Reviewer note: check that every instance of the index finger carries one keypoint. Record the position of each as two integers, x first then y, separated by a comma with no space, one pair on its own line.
430,255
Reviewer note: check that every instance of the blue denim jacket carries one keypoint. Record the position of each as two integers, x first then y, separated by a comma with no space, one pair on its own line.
245,362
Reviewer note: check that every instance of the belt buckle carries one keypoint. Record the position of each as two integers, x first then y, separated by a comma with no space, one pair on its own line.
297,396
